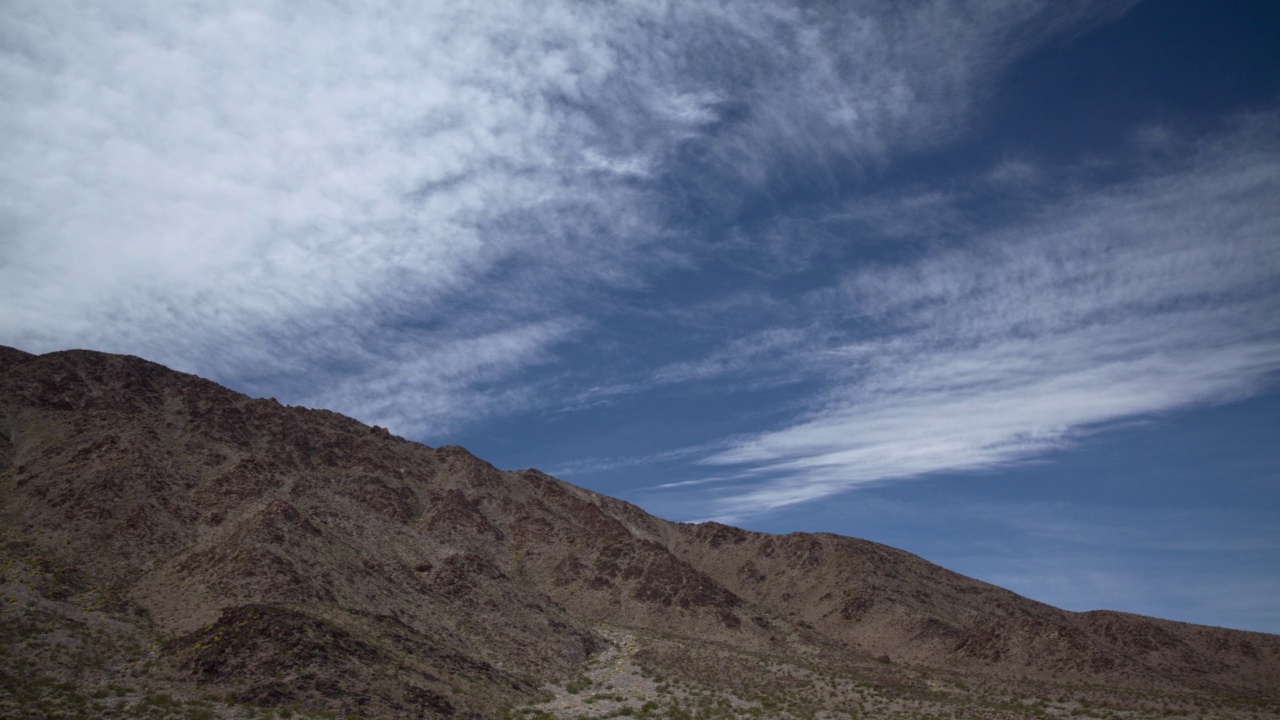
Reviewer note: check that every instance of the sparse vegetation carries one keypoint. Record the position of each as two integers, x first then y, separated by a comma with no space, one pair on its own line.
172,550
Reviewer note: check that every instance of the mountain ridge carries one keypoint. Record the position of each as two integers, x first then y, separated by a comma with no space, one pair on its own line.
361,572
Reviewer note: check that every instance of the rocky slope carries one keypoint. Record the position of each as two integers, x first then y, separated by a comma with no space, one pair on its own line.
291,557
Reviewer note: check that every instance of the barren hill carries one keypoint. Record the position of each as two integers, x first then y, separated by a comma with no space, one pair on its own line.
189,538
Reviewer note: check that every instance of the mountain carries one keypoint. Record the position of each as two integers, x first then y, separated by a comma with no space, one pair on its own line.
172,545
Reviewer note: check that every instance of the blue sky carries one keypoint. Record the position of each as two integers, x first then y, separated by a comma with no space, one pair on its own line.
997,281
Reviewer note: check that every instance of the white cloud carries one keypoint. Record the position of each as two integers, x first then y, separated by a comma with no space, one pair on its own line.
1128,301
263,193
441,377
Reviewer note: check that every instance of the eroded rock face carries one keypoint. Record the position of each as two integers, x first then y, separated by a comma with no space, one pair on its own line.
271,542
249,640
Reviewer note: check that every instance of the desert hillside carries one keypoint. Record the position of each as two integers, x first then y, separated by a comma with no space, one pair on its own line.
171,546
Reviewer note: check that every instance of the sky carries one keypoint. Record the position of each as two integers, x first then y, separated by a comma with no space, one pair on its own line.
993,281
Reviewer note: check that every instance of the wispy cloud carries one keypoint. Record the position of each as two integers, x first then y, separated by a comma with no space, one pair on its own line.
599,464
272,196
450,379
1131,299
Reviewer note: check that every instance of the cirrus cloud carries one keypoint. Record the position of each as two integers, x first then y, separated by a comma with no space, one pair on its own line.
285,197
1136,299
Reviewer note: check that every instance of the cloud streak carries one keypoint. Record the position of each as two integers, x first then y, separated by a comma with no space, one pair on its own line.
1136,299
